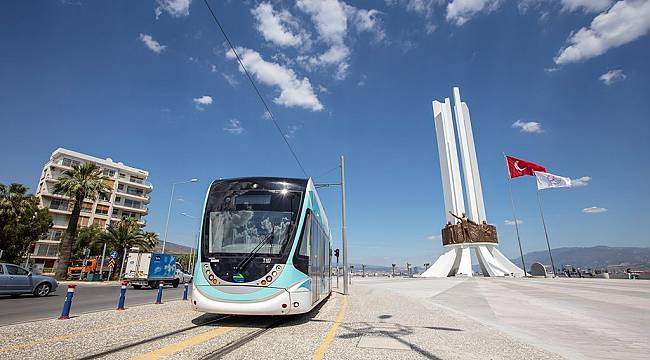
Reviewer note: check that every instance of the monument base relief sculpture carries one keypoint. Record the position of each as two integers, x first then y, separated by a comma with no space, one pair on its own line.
464,233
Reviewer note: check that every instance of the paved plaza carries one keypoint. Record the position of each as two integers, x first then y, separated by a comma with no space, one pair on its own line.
383,318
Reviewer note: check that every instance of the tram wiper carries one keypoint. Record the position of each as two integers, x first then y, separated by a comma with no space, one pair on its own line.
247,260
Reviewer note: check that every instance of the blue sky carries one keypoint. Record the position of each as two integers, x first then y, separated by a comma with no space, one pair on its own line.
562,83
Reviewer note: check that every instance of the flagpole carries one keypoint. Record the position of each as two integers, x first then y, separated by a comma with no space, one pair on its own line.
539,202
514,215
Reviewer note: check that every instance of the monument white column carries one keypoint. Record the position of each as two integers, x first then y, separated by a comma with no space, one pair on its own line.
457,257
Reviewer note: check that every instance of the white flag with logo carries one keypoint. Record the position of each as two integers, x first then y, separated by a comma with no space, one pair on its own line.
546,181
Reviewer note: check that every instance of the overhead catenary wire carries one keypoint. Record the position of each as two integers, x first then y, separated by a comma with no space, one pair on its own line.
250,78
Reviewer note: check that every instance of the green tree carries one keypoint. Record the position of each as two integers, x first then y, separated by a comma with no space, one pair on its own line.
124,235
81,182
88,238
21,221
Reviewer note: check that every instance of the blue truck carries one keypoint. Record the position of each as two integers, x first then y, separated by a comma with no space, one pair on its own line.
149,269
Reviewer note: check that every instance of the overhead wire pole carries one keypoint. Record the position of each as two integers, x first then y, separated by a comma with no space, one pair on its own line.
539,202
343,228
259,94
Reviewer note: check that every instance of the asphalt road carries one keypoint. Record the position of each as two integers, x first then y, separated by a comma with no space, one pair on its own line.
87,298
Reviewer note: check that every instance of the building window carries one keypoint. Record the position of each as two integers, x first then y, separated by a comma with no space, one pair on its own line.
60,220
101,209
115,212
100,222
86,208
58,204
84,221
120,187
118,199
46,250
70,162
134,191
132,203
109,172
55,235
136,179
104,197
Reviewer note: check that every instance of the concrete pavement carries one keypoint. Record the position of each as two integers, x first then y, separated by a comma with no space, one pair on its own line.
88,298
371,323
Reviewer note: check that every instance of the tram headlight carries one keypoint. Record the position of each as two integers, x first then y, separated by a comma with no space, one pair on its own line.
274,273
269,278
263,282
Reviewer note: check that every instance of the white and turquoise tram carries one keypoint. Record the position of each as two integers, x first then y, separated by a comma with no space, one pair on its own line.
264,248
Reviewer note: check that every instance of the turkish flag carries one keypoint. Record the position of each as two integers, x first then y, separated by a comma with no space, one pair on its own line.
518,167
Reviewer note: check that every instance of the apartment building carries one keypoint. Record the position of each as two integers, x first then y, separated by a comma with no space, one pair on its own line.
128,197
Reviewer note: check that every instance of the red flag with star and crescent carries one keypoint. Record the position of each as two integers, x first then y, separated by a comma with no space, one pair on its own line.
518,167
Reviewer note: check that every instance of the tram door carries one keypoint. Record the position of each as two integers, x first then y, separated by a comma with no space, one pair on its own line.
314,261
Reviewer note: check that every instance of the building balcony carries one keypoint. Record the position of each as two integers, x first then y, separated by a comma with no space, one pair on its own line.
139,183
143,197
141,209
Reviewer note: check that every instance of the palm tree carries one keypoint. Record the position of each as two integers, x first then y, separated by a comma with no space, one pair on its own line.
81,182
125,234
151,239
88,238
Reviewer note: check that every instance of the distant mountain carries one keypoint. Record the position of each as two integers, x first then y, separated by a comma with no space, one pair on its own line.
595,257
173,248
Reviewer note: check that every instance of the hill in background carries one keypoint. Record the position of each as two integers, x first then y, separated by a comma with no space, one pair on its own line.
173,248
596,257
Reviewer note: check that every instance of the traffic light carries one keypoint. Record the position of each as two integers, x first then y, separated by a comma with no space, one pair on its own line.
32,247
336,253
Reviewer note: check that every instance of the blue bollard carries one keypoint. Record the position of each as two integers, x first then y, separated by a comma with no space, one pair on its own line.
160,290
185,291
120,302
65,314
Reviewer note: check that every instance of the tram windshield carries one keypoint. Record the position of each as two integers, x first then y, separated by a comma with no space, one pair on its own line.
234,232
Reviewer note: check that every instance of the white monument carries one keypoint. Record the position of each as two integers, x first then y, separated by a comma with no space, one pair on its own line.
470,231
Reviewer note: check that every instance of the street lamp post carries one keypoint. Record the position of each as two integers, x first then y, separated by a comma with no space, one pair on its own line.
195,247
169,209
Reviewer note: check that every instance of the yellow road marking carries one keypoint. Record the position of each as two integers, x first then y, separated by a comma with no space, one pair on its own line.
182,345
320,353
68,336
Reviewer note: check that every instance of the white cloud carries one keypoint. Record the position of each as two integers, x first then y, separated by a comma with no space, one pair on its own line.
152,44
366,21
625,22
551,69
512,222
213,68
291,131
420,7
434,237
234,127
293,91
594,210
230,79
175,8
461,11
528,126
581,181
330,18
322,89
612,76
430,28
362,80
266,115
279,27
202,101
586,5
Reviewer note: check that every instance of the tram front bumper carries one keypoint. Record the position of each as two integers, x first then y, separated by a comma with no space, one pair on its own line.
277,305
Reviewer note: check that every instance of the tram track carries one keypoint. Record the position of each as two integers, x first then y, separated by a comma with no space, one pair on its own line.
152,339
234,345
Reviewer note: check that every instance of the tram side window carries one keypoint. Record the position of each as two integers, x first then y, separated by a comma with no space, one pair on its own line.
304,241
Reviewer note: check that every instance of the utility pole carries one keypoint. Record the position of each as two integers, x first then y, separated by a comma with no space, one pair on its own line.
393,265
408,270
343,238
363,270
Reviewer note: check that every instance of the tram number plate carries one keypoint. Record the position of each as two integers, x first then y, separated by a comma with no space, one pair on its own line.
266,260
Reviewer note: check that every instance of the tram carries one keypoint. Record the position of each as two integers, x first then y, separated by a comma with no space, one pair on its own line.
264,248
